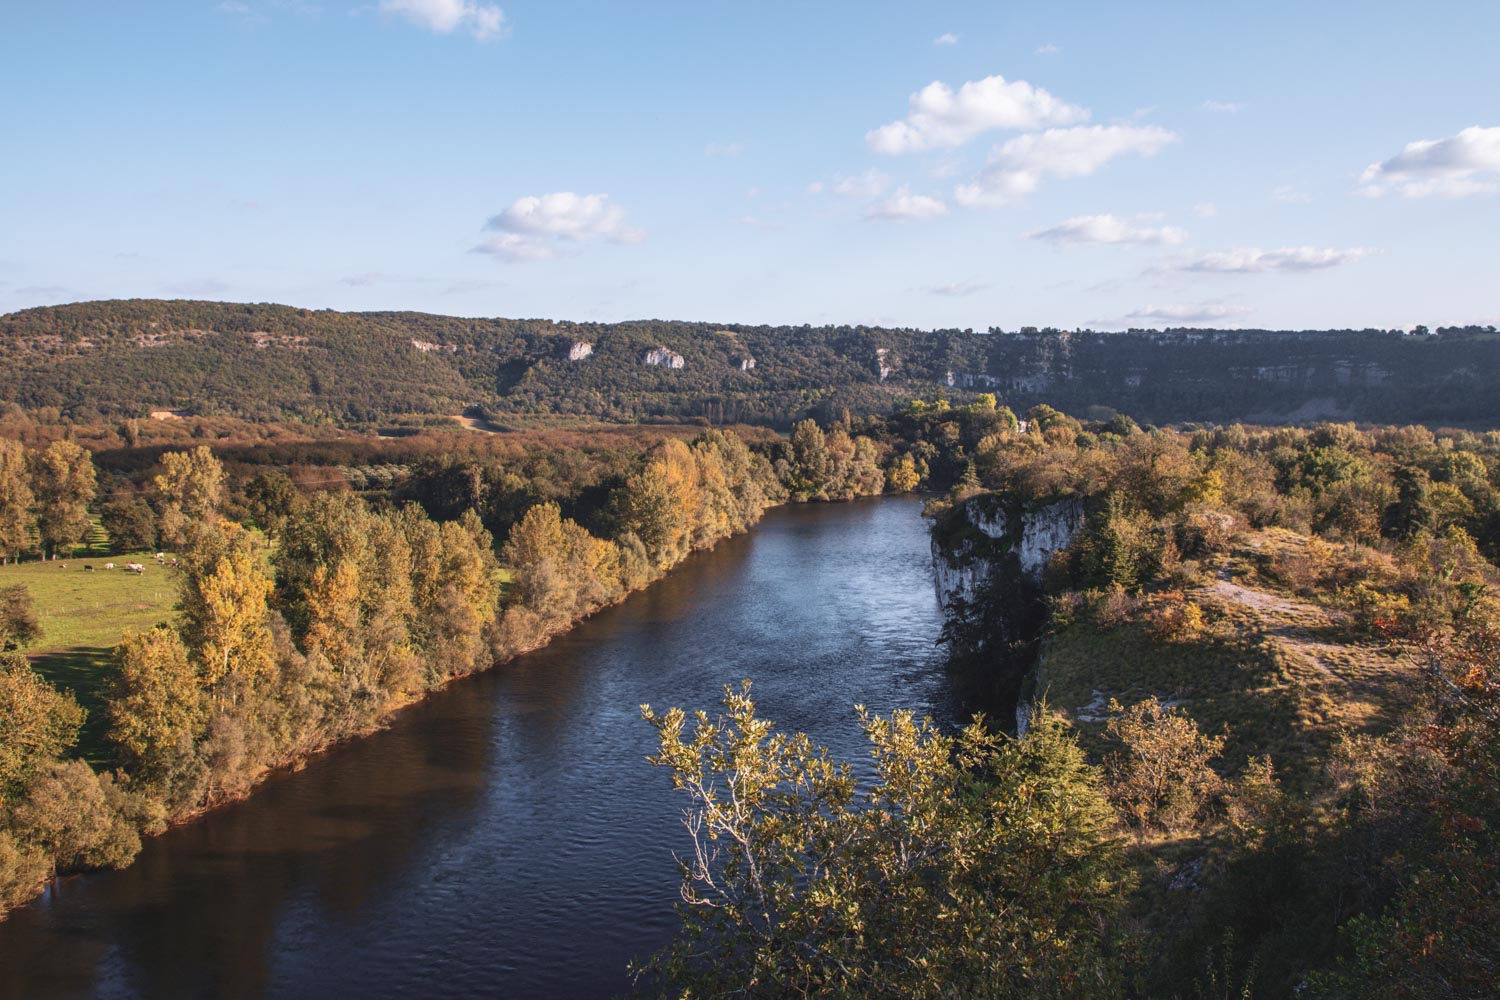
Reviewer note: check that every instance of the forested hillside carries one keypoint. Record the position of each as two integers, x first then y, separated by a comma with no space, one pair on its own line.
108,360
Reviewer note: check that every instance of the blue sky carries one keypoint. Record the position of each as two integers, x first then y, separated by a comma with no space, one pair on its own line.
934,164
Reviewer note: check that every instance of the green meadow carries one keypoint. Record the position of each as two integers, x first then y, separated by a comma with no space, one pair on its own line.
83,613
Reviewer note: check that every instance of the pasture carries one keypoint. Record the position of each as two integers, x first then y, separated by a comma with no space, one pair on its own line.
83,613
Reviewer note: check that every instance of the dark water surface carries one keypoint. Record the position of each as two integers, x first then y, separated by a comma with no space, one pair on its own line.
505,837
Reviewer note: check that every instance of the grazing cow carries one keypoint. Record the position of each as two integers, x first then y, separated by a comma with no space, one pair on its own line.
136,568
161,557
87,568
109,565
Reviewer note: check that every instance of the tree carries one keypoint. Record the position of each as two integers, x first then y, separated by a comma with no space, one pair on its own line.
63,483
226,625
901,475
81,819
271,497
1160,775
37,722
971,865
17,532
191,487
157,710
19,625
130,524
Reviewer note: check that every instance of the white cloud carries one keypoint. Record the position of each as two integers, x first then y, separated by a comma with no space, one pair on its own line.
725,149
1188,313
1018,167
941,118
1290,194
1225,107
903,206
534,227
1465,164
1252,260
869,184
484,21
1048,50
946,38
1205,210
958,289
1110,229
234,7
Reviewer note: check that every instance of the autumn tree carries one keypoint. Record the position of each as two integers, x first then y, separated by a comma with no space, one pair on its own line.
63,483
1160,772
190,487
17,528
37,722
158,707
225,587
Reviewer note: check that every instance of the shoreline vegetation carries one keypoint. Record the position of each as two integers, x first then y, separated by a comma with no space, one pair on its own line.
306,620
1262,758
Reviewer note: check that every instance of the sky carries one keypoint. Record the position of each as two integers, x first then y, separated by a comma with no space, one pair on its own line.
1105,165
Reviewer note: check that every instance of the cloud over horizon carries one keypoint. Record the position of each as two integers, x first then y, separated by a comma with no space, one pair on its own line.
1464,164
539,227
1018,167
1112,229
1179,313
1252,260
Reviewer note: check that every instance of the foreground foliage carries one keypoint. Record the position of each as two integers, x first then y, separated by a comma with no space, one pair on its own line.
967,865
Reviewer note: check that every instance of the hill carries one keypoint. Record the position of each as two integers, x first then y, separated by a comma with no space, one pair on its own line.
107,360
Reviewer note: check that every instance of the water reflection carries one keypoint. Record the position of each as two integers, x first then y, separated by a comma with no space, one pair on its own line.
505,837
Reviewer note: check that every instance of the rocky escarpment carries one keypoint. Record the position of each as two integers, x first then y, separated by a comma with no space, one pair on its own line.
989,553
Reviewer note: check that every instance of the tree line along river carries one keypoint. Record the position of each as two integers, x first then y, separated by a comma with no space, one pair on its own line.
506,837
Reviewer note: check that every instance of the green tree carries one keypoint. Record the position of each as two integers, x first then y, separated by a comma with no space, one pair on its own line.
19,625
63,482
37,722
130,524
969,865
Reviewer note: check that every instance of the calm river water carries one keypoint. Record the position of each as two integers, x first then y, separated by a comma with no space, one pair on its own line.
505,838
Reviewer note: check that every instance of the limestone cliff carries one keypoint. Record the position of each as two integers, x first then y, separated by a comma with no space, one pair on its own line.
989,553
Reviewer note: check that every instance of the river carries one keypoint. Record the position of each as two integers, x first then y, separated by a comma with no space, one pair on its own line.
505,837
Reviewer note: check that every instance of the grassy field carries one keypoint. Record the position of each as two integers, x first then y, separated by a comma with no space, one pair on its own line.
1284,675
83,614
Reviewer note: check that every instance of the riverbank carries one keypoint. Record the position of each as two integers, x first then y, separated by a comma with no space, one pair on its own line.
504,835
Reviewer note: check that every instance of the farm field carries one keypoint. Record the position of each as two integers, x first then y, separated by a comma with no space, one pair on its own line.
83,614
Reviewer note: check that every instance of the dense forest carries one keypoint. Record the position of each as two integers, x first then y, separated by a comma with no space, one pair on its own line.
1261,751
124,359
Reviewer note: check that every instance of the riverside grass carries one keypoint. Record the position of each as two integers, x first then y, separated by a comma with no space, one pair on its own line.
83,614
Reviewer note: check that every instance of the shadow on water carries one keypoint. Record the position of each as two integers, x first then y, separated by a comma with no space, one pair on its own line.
505,837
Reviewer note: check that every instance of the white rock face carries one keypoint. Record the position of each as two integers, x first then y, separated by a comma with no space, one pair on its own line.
664,358
747,364
957,574
1046,531
579,351
961,573
882,354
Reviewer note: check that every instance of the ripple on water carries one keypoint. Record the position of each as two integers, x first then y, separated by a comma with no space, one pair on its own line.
505,838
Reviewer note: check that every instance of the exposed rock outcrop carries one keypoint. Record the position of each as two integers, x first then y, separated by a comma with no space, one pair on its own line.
664,358
989,555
